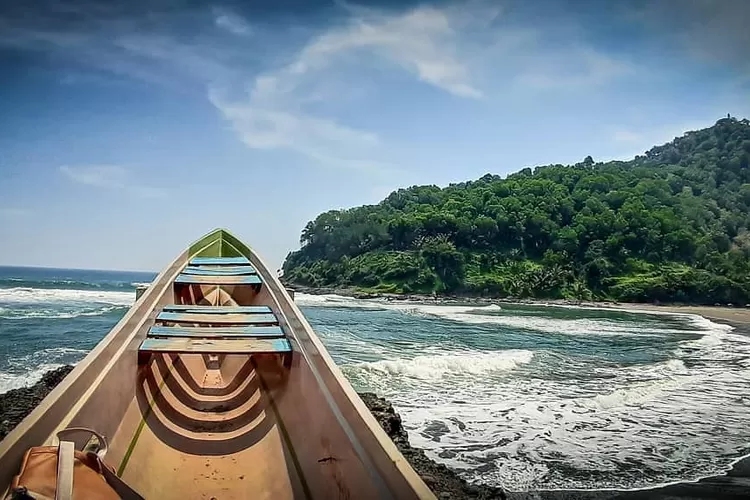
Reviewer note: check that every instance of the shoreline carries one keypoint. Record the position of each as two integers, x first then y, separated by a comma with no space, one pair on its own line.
732,484
737,317
445,482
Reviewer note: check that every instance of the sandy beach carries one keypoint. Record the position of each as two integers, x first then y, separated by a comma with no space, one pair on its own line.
735,316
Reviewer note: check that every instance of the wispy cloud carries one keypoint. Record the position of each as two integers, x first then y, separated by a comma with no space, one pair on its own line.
97,175
576,67
13,212
231,22
422,42
110,177
470,52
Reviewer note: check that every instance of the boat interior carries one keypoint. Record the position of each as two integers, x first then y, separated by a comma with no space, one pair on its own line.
214,386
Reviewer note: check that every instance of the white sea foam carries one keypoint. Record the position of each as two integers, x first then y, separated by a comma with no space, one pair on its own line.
22,314
23,295
26,370
332,300
678,419
495,314
435,367
9,381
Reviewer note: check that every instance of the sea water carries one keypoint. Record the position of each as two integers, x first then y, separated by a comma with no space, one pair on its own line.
517,396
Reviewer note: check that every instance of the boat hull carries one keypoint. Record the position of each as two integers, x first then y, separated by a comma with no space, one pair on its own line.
184,425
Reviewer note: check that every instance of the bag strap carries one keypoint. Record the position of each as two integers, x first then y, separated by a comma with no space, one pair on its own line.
121,487
103,447
65,466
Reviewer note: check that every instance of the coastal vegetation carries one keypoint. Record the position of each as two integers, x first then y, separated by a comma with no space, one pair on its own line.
670,225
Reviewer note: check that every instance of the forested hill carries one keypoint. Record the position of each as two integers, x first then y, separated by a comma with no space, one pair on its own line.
672,225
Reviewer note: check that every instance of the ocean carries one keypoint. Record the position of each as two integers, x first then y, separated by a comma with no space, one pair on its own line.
523,397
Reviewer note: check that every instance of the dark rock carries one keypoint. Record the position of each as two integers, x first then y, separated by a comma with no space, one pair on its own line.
17,403
435,430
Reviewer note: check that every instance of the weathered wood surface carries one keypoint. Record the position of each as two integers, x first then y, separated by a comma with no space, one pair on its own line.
213,346
189,279
187,308
219,332
224,319
220,271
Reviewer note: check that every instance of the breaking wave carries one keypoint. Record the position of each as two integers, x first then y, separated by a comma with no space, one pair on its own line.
561,397
445,365
18,373
26,295
21,314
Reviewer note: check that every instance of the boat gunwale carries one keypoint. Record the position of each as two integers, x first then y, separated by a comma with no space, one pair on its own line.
67,399
75,389
387,446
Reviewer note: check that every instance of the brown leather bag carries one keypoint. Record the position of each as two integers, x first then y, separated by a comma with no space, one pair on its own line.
64,473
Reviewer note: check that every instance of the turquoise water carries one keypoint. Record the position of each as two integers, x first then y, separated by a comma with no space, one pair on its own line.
51,317
523,397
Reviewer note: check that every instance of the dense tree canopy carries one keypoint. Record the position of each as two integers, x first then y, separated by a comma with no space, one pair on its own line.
671,225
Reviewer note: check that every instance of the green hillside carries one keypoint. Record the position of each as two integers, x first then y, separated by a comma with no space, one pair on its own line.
672,225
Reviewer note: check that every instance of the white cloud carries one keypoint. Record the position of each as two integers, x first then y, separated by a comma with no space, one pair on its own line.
232,23
110,177
97,175
422,41
469,51
320,139
576,67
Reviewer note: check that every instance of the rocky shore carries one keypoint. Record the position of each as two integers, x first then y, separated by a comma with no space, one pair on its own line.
17,403
444,482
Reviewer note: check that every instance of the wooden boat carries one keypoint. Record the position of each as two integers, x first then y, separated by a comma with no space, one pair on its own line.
213,385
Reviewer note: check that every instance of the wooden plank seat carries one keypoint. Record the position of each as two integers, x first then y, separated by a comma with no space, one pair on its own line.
189,279
216,332
219,270
223,319
219,261
200,309
213,346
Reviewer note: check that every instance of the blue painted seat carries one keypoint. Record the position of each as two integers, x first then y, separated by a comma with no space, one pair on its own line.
188,279
220,270
218,261
199,309
216,332
214,346
211,318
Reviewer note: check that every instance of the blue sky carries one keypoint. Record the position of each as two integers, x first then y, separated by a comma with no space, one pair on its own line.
130,130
